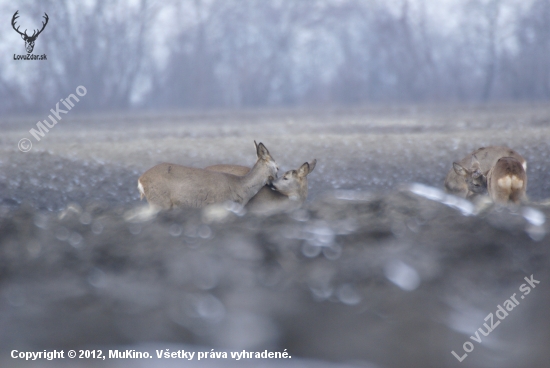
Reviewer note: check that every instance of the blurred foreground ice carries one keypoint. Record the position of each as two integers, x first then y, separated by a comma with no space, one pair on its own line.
354,277
381,268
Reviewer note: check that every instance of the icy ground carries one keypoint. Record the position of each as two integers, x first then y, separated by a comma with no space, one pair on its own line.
373,273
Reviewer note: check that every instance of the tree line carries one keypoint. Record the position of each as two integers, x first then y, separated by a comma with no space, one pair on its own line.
202,54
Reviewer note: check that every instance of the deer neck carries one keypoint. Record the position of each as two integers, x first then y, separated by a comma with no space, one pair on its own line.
303,191
256,178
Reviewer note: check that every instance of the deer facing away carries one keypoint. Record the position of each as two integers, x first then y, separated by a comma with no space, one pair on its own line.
168,186
289,190
487,157
505,182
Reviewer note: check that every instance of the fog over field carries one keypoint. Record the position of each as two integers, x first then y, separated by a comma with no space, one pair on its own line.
373,149
235,54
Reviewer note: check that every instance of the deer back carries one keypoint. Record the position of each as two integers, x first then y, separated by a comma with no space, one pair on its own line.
169,185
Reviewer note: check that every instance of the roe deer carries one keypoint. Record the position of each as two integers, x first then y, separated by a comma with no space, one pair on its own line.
487,157
168,185
476,181
505,181
284,194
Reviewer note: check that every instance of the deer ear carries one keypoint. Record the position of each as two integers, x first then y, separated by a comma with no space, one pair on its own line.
459,169
312,165
303,170
257,149
23,36
262,151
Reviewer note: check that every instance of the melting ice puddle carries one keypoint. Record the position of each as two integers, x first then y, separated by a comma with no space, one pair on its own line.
536,219
533,216
464,206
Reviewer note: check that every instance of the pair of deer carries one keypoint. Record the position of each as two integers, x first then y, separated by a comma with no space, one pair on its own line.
498,170
167,186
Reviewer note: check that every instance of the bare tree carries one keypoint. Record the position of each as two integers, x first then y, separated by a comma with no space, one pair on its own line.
255,53
532,64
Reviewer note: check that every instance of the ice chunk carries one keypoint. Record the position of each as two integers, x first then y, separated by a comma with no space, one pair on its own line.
402,275
533,216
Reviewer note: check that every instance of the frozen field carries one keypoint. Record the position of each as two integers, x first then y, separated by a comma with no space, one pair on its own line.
100,157
373,273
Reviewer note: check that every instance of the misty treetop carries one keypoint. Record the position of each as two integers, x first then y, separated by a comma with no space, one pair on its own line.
201,54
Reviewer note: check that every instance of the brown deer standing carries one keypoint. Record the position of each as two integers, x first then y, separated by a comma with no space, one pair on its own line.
168,185
455,182
505,182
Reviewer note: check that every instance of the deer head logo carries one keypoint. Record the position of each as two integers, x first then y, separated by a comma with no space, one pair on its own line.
29,40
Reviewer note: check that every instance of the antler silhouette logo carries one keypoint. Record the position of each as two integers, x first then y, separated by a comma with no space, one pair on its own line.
29,40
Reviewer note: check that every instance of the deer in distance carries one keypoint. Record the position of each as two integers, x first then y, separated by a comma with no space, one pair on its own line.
168,186
505,181
486,158
285,194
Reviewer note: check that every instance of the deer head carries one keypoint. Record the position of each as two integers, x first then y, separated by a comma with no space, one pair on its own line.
474,177
29,40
